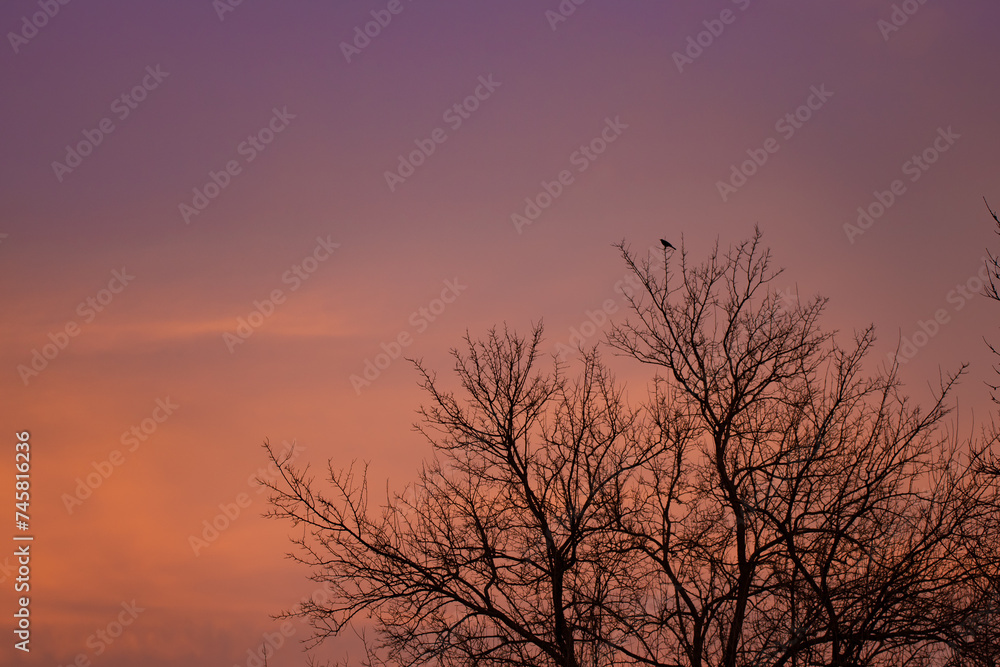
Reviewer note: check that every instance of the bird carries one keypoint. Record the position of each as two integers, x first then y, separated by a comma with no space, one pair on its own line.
666,244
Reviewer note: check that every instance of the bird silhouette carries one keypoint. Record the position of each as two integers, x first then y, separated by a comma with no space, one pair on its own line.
666,244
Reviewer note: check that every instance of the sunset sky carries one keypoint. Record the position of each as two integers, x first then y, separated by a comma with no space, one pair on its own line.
215,214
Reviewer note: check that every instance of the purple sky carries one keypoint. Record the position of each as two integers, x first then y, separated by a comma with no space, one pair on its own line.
355,258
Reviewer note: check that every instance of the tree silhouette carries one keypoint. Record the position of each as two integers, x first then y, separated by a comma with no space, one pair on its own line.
768,504
814,516
500,553
991,290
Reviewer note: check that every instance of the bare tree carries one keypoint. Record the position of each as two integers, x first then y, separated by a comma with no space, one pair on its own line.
502,552
771,503
811,515
991,290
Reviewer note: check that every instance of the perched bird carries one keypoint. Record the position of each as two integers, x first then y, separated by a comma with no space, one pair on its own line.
666,244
